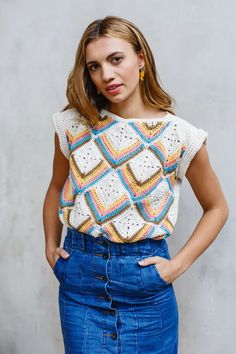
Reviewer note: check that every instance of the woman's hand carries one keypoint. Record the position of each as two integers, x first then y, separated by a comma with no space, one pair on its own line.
166,268
52,256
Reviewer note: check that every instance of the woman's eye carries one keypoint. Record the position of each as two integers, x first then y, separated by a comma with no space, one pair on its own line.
119,58
90,68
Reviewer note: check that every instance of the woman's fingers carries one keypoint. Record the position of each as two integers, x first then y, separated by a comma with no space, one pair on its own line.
59,252
62,252
151,260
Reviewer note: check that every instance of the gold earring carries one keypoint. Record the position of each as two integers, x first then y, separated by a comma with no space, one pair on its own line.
141,74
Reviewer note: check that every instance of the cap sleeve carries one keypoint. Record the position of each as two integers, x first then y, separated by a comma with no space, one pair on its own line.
60,128
193,138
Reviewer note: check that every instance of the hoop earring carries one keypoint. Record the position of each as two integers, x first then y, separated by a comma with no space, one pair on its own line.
141,74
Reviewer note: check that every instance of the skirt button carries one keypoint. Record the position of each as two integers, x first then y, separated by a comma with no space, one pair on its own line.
114,336
107,298
112,312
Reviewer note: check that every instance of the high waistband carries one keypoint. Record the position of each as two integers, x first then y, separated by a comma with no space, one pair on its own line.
83,242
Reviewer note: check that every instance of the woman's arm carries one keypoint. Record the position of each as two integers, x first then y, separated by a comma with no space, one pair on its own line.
51,222
206,188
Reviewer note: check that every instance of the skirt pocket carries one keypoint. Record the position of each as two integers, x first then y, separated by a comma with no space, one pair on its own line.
151,278
60,267
159,276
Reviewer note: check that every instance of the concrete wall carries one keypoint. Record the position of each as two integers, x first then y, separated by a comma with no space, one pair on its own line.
194,46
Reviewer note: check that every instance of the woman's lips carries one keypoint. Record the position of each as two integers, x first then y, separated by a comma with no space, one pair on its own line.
115,90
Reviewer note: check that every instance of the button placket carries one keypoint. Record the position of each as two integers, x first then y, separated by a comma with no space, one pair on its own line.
104,277
104,252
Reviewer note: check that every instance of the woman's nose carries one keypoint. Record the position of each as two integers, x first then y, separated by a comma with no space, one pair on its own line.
107,73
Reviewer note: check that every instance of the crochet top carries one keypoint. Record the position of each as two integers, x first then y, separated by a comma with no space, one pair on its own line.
125,174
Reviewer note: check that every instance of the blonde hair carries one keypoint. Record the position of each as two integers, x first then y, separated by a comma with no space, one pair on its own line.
82,93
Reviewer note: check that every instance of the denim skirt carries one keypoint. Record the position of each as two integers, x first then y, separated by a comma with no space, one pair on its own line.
108,303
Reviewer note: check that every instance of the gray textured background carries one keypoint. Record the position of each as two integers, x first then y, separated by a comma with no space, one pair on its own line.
194,46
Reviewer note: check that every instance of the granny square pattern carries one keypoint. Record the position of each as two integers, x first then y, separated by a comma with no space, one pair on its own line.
125,173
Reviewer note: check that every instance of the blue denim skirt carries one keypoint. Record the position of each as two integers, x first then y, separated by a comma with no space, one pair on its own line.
108,303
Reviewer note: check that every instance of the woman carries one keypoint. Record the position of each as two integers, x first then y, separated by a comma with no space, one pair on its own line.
121,154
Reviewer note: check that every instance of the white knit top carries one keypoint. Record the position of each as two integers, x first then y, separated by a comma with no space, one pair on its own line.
125,173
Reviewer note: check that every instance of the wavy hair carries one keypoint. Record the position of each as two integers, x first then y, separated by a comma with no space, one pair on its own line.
81,91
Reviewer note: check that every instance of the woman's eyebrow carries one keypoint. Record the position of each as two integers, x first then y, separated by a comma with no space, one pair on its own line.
110,55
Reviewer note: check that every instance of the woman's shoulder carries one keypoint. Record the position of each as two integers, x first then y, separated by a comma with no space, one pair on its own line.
180,120
68,124
187,128
69,116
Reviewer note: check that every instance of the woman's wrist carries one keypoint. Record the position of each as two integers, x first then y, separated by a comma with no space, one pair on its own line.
179,265
51,247
50,255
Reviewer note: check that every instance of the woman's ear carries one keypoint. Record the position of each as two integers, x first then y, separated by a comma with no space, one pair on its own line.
141,59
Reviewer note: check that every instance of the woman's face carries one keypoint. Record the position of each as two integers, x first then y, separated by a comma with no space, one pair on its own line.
113,61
